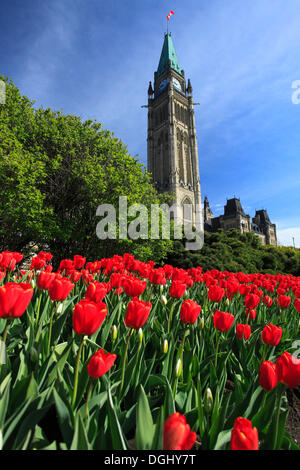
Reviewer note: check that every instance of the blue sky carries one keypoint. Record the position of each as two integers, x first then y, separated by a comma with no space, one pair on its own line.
94,58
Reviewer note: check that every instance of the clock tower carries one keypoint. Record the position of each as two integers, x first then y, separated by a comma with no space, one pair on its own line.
172,152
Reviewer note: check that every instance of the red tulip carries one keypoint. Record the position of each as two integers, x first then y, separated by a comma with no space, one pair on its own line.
177,289
189,311
288,370
297,304
75,276
267,301
78,261
242,331
44,280
66,266
100,363
60,288
216,293
268,378
251,313
223,320
252,301
7,261
88,316
14,299
133,287
137,313
157,276
96,291
37,263
243,435
284,301
271,334
46,256
177,434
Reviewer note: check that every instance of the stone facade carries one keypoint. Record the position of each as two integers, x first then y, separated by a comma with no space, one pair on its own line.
235,217
172,151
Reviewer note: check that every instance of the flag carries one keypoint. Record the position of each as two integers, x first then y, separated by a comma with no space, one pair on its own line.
170,14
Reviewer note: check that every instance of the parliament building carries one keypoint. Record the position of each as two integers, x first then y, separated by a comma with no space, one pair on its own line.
172,153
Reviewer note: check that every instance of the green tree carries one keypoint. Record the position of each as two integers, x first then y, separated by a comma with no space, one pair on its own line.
55,170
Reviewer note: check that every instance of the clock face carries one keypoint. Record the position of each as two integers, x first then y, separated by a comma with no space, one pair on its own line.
176,83
162,85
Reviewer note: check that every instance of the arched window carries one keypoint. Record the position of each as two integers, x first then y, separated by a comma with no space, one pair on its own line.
187,210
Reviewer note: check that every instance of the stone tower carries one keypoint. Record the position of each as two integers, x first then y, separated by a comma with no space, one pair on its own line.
172,152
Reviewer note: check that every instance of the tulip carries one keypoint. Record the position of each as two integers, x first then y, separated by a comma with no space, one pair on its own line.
268,378
216,293
44,280
100,363
96,291
60,289
177,434
157,276
284,301
177,289
189,311
296,303
223,320
252,301
243,331
137,313
208,400
271,334
133,287
37,263
114,332
243,435
251,313
14,299
267,301
78,261
288,370
88,316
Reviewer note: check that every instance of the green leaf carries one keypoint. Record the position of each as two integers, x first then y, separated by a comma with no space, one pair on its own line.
65,417
80,439
4,400
223,439
115,430
144,423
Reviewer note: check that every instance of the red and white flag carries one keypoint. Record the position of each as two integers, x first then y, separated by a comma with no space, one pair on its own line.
170,14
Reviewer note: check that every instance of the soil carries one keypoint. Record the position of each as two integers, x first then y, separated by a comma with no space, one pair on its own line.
293,420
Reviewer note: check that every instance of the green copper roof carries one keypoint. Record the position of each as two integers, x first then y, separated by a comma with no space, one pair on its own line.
168,52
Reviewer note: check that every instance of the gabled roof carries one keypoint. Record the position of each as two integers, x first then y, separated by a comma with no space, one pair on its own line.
233,207
168,53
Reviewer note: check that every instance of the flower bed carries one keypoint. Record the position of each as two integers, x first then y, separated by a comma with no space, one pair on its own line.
118,354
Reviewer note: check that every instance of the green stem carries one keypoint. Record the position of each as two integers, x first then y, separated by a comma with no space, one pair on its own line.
50,329
38,309
2,344
217,349
5,331
150,292
87,401
124,360
77,371
170,315
280,393
182,346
